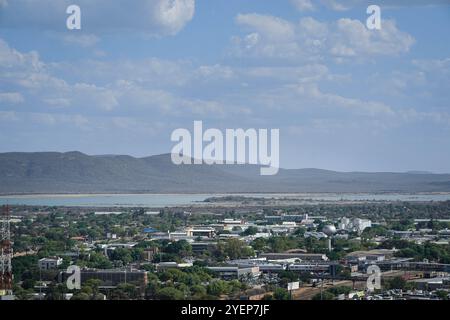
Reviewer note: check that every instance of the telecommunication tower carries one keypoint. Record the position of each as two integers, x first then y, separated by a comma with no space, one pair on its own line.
6,253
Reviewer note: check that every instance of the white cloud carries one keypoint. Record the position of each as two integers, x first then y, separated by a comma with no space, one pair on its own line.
204,108
57,102
11,58
352,38
44,118
152,72
216,71
303,74
357,106
310,39
93,96
433,65
11,98
272,28
172,15
339,5
303,5
148,17
270,37
82,40
146,86
158,89
425,81
27,73
8,116
440,118
344,5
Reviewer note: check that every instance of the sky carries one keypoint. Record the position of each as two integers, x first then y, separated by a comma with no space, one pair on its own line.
344,97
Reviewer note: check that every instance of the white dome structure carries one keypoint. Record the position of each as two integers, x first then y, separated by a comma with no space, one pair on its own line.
329,230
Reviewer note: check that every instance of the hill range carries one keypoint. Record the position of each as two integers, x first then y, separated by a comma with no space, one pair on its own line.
75,172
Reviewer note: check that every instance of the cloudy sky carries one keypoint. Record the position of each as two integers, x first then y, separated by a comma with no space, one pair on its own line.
344,97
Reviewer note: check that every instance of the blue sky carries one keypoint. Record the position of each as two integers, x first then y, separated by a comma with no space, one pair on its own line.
344,97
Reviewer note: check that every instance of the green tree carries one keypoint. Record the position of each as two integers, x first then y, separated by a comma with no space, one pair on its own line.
396,283
28,284
259,244
326,295
281,294
169,293
122,254
181,248
125,291
340,290
217,288
98,261
250,231
81,296
198,291
442,294
236,249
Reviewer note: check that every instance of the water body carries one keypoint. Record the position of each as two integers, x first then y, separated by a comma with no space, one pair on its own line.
173,200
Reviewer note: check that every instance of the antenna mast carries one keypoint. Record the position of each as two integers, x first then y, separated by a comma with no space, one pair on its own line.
6,253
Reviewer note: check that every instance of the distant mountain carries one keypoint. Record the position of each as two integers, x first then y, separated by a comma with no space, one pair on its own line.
418,172
75,172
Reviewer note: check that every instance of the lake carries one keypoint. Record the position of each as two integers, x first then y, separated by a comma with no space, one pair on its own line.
172,200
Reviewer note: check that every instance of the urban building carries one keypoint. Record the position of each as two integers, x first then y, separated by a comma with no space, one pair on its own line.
236,272
110,278
299,256
49,263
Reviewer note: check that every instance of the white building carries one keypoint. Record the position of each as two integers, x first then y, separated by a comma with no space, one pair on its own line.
152,213
179,235
232,222
344,223
107,213
355,225
172,265
206,232
361,224
236,272
49,263
110,235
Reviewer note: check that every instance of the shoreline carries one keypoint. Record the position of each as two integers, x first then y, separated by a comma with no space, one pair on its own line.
78,195
210,200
